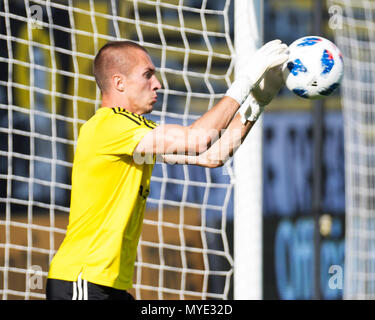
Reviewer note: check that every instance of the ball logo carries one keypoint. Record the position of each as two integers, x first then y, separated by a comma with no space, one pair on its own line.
301,92
296,67
327,62
330,89
309,41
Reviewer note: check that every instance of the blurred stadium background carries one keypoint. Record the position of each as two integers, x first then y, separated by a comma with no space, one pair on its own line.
47,91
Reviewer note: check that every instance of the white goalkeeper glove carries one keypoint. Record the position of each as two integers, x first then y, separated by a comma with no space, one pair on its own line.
250,110
268,56
262,94
269,87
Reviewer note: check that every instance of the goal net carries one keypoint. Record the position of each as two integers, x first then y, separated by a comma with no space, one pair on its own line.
47,91
354,28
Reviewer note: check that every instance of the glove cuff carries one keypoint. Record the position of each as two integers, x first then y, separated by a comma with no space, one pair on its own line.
240,89
250,110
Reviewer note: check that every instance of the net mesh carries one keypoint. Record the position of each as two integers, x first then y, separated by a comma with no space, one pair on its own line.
47,91
354,28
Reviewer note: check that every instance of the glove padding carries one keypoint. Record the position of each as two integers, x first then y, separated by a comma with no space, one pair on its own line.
269,86
263,93
270,55
250,110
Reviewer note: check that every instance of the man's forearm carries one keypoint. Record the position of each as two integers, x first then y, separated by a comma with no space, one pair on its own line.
228,143
219,152
219,116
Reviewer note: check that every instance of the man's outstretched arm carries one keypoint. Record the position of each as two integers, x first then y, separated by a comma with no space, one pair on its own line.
196,138
238,128
219,152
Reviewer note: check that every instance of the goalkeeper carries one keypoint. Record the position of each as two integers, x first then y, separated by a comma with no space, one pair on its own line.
114,158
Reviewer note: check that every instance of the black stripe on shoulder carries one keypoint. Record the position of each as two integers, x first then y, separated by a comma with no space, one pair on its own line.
131,114
149,123
139,119
125,115
135,115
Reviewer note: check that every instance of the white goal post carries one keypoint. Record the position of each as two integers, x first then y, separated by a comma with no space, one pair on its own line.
353,24
248,166
47,91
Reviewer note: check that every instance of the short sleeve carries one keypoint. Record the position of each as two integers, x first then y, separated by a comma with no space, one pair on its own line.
122,132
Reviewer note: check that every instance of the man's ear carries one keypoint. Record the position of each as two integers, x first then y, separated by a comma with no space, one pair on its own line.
118,81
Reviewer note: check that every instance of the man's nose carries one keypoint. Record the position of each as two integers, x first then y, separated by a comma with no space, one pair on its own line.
156,83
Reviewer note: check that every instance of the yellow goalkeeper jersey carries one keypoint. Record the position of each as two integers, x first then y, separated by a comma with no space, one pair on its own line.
108,197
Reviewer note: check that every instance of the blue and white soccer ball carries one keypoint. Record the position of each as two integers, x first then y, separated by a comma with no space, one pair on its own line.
314,68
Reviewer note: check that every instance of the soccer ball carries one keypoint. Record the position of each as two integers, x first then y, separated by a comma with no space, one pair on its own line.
314,68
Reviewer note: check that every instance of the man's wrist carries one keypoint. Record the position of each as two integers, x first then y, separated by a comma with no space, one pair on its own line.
240,89
250,109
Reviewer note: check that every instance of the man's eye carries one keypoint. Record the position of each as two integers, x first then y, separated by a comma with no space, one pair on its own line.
148,75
